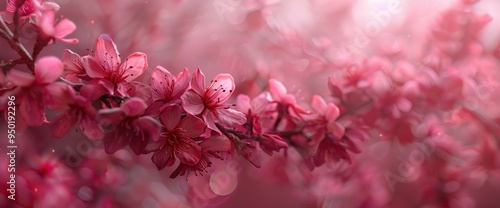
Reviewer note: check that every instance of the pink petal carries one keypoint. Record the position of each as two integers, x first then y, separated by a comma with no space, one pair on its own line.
336,129
114,142
133,107
93,90
93,68
155,108
64,28
47,22
48,69
193,126
125,89
231,117
106,53
404,105
160,159
90,128
133,66
188,152
332,112
192,102
19,78
181,84
216,144
69,40
198,82
162,83
243,103
171,116
210,118
58,95
62,124
72,62
32,110
221,88
277,89
318,104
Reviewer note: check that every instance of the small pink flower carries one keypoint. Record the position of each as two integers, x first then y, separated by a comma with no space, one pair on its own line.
323,122
25,11
260,111
177,139
271,142
209,101
50,29
31,91
167,89
78,111
126,126
113,74
73,66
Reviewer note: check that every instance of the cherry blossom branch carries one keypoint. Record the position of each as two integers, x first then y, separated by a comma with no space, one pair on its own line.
16,45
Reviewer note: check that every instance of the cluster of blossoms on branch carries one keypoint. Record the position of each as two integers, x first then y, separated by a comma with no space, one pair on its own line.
173,117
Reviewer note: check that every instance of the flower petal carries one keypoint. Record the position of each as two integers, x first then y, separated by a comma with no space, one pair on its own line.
20,78
216,144
198,82
277,89
133,66
182,84
72,62
90,127
93,68
162,82
221,88
150,126
48,69
318,104
133,107
62,124
64,28
188,152
192,102
32,110
171,116
111,116
160,159
243,103
114,141
231,117
106,53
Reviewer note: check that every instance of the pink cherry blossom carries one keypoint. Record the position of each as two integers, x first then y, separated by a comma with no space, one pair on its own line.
209,148
126,126
177,139
167,89
209,101
25,11
114,75
50,29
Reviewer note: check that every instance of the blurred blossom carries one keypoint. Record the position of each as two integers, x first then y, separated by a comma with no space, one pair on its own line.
304,103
